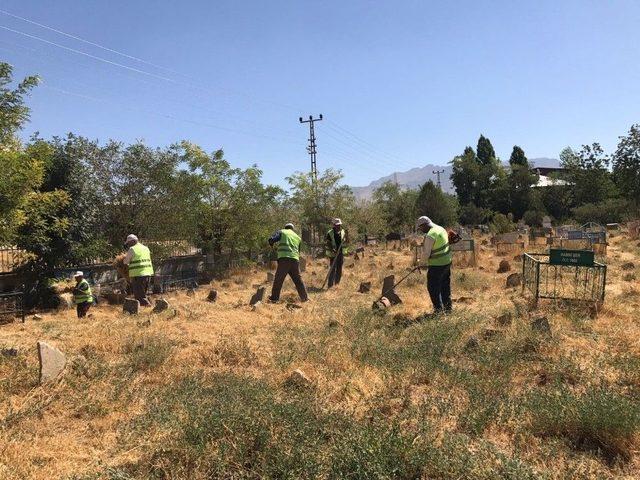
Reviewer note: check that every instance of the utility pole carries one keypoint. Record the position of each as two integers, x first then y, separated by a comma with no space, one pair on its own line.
314,170
438,172
312,147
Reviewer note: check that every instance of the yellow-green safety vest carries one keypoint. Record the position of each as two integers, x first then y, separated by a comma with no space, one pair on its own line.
140,265
289,244
332,236
86,295
440,252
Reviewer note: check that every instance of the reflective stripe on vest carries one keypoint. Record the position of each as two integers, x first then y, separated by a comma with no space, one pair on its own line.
86,295
332,236
441,251
140,265
289,244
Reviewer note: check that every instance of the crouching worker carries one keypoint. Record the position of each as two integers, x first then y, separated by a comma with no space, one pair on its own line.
436,252
82,296
288,243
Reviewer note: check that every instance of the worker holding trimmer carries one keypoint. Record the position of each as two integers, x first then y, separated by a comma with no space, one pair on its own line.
436,251
288,244
335,249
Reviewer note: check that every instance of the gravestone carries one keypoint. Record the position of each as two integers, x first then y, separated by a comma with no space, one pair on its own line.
504,266
365,287
160,306
131,306
541,324
213,295
270,277
387,284
52,362
514,280
257,297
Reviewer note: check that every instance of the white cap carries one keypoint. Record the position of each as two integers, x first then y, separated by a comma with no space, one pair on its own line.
289,225
424,221
78,274
336,222
131,238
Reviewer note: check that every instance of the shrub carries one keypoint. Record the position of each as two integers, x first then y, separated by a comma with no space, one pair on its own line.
533,218
501,224
609,211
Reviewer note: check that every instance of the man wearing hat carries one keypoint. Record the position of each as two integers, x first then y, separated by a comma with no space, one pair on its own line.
335,250
437,253
82,296
138,259
288,243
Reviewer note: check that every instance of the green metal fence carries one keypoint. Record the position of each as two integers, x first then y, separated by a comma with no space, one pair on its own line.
563,282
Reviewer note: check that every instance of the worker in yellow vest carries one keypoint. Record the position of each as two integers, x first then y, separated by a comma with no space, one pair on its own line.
138,259
436,252
288,243
82,296
336,247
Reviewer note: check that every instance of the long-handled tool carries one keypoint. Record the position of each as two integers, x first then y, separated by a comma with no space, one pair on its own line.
393,287
332,267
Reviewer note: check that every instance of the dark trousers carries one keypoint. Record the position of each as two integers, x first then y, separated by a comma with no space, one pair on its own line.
139,286
439,286
82,309
336,273
291,267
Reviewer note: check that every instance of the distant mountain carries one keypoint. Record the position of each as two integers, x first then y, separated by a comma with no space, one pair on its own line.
416,177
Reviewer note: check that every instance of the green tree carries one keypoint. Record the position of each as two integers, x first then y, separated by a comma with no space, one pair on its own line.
13,110
437,205
315,206
521,180
626,165
472,215
465,175
486,153
589,174
397,207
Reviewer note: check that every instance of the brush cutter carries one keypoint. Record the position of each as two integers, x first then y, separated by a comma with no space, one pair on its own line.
393,287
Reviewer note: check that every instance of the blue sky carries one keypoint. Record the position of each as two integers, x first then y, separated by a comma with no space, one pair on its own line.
400,83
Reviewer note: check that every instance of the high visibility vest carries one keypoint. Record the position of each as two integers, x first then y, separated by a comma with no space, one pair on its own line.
332,236
82,292
440,252
289,244
140,265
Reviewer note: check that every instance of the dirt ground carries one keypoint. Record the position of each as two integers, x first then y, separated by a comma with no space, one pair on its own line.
81,426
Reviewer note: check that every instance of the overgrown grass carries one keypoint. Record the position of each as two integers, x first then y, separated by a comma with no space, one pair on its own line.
227,426
146,352
599,420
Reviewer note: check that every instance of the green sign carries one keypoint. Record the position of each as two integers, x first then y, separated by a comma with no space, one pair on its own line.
582,258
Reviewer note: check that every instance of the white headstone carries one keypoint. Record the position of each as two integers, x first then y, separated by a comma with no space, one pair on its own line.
52,362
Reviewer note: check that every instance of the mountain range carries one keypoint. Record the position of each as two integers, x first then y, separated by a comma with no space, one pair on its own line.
416,177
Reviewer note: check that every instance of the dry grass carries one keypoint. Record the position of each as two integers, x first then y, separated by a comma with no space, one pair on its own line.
202,394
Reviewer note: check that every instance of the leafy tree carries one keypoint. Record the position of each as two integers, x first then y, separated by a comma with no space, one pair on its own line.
626,165
317,205
502,224
13,110
608,211
437,205
486,153
396,206
588,174
518,157
473,215
465,175
521,181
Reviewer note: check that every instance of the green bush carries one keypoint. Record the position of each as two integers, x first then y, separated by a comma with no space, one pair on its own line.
598,420
533,218
609,211
501,224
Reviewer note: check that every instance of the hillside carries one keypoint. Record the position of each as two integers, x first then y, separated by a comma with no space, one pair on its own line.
416,177
206,391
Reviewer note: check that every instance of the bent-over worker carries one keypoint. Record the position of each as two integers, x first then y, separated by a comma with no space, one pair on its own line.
437,253
138,259
335,250
288,243
82,296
